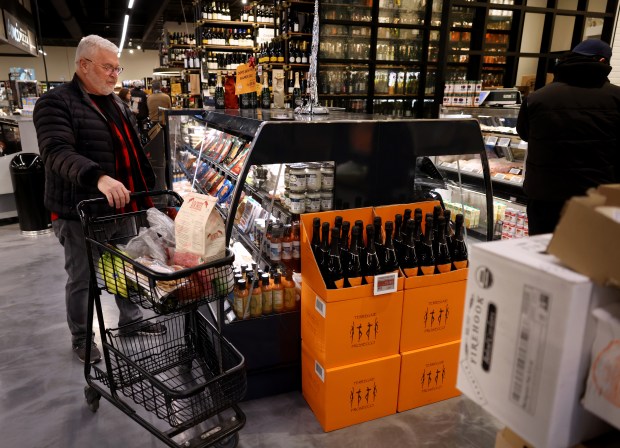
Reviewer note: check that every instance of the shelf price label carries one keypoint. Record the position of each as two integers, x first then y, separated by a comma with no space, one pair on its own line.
385,283
246,79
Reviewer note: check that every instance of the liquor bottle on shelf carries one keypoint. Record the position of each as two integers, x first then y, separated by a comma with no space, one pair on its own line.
409,259
372,265
353,268
426,257
389,261
256,299
296,99
290,295
265,94
267,290
291,83
219,94
304,53
334,274
297,54
459,252
296,247
287,248
278,293
279,53
442,258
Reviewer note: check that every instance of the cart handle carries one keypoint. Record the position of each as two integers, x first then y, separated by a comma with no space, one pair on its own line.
83,206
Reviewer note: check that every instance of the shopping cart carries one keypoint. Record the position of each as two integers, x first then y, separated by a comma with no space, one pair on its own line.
191,378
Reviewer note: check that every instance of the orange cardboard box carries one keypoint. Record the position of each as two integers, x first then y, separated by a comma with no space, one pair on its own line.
350,394
428,375
352,330
310,270
433,309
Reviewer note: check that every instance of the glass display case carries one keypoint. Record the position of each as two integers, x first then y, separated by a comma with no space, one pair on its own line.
506,154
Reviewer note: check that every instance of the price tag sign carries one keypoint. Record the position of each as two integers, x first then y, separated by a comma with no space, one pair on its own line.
515,171
499,176
246,79
175,88
386,283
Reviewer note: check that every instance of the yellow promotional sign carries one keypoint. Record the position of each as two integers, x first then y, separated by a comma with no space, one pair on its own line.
175,88
246,79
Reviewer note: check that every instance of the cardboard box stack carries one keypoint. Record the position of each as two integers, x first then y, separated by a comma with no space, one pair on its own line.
526,339
353,341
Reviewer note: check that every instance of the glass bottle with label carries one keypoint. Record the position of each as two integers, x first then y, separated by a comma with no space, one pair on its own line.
265,94
334,274
406,217
256,300
389,261
267,292
296,248
278,294
324,253
426,257
287,248
315,243
409,259
240,299
297,100
219,94
353,269
437,212
372,266
398,238
344,242
288,285
442,258
275,247
459,253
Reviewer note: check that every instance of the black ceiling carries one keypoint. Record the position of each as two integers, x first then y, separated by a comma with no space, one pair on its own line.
64,22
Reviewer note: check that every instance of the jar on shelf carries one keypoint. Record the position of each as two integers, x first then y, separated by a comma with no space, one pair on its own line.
313,176
327,176
313,201
287,175
327,200
297,178
297,203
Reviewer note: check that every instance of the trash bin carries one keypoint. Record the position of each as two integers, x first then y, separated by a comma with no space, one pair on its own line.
28,178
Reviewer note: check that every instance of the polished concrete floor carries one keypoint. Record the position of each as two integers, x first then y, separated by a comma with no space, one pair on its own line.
41,381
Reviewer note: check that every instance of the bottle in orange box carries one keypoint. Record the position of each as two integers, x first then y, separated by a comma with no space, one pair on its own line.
353,268
324,251
459,253
290,301
443,261
240,299
426,257
389,262
372,266
409,259
333,275
278,294
267,291
315,244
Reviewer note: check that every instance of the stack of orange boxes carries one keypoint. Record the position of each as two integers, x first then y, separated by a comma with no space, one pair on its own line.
430,331
353,341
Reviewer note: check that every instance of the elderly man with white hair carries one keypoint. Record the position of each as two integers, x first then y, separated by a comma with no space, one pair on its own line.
89,142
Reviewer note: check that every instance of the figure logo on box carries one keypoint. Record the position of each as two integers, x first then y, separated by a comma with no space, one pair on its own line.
365,330
442,315
433,378
363,396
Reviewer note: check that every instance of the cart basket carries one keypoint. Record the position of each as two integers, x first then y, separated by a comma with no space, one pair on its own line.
118,274
184,377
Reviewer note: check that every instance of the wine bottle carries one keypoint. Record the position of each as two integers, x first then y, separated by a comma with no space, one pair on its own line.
296,101
372,265
447,214
409,259
265,94
360,241
437,212
406,217
338,222
377,222
459,253
417,231
324,253
426,257
398,239
443,261
344,242
315,243
219,94
334,274
353,268
389,262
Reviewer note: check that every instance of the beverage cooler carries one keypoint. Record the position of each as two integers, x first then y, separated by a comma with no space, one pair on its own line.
270,167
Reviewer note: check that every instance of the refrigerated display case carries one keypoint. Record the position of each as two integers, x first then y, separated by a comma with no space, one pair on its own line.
243,158
506,154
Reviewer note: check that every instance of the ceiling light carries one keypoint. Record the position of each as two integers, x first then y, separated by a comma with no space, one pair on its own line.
139,47
130,51
130,4
125,24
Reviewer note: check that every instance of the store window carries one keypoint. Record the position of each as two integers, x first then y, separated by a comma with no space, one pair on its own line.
562,33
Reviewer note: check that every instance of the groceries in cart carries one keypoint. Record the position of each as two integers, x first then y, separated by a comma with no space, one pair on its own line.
167,263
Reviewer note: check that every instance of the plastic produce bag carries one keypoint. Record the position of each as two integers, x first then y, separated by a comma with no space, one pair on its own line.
154,242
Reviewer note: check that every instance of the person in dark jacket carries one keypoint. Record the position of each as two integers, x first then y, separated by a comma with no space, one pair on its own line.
89,143
572,127
139,102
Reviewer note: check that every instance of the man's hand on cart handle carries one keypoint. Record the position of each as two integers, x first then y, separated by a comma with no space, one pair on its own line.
114,191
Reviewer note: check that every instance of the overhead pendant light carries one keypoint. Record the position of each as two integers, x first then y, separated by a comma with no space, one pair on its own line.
130,4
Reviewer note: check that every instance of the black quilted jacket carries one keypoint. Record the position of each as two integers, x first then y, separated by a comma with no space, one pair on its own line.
76,146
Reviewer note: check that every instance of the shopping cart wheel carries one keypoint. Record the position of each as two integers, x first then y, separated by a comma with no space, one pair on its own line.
229,442
92,398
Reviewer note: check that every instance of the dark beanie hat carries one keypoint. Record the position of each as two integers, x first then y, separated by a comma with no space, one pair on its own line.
594,47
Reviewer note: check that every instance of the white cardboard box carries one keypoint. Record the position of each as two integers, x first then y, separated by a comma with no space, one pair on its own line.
527,334
603,390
